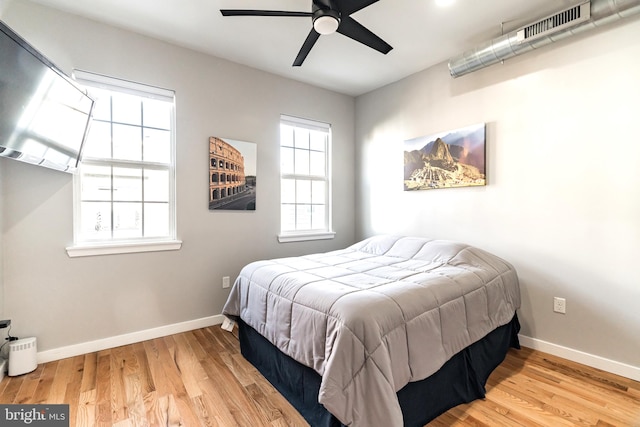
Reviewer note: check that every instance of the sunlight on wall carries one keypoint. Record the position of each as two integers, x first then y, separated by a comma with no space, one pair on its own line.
382,160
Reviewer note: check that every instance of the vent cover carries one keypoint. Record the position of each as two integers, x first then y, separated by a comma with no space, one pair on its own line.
593,14
556,22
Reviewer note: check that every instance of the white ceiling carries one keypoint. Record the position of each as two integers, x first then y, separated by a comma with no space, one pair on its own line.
422,34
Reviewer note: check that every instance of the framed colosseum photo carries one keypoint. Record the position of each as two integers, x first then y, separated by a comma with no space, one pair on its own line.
232,174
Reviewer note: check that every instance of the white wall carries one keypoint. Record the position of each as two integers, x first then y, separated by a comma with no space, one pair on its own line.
64,301
563,196
1,250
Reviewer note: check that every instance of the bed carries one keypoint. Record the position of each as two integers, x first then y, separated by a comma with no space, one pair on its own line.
390,331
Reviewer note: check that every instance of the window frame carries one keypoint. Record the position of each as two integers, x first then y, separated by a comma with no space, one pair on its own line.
82,247
309,234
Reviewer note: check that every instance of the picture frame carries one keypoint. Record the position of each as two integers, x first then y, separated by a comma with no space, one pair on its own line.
455,158
232,174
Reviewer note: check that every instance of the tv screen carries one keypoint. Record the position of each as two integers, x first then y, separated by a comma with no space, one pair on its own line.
44,115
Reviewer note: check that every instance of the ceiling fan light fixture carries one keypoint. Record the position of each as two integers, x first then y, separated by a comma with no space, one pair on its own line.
326,24
327,17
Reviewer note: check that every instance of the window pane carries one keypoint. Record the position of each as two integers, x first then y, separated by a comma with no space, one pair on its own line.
288,217
303,191
127,220
288,191
317,166
318,140
127,142
157,146
156,185
95,220
286,160
303,217
102,106
318,192
302,162
286,136
156,219
96,183
318,217
98,143
127,109
301,138
156,114
127,184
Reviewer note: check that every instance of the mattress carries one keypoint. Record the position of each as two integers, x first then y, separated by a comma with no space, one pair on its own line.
375,316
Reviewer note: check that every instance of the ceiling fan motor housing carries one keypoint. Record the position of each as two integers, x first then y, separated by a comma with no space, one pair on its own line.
325,21
328,16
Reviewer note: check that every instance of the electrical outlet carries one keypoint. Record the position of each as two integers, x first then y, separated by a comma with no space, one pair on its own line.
559,305
225,282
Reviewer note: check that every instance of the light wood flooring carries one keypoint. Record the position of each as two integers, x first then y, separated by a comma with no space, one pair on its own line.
199,378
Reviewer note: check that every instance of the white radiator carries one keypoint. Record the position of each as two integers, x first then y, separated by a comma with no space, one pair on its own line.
22,356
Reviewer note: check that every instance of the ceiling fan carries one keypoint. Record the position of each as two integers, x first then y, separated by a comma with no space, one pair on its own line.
328,17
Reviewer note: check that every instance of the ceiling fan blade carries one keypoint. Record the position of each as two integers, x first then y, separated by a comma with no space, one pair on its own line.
347,7
243,12
306,47
352,29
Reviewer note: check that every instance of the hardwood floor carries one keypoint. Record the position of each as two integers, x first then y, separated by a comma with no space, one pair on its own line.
199,378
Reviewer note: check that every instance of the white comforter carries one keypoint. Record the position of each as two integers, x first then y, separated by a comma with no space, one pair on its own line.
374,316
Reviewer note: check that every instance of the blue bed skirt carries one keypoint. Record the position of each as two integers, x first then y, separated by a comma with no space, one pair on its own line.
462,379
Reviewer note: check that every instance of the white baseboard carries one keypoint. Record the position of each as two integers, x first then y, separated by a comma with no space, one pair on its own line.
628,371
622,369
134,337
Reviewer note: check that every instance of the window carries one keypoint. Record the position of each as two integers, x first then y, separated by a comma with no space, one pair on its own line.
124,191
305,185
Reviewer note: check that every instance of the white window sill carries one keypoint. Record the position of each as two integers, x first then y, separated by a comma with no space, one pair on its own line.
122,248
303,237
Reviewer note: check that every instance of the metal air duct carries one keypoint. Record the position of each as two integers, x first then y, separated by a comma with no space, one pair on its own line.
574,20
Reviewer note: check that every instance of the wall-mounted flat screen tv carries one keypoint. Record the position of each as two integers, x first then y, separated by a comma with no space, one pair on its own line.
44,115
